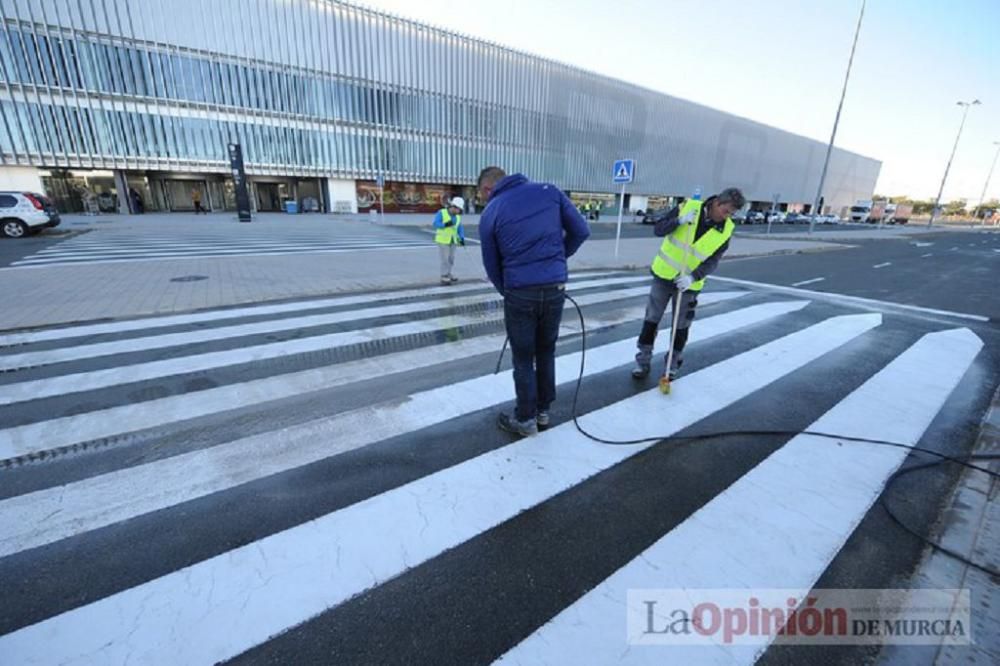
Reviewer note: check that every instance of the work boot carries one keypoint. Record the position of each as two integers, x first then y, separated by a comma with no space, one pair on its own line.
509,423
453,278
640,371
446,280
675,367
542,419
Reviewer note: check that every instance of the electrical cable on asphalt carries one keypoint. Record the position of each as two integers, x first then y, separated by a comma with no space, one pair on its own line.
941,457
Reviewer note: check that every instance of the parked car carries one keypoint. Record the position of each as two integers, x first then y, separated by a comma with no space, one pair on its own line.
26,213
776,217
794,218
755,217
828,219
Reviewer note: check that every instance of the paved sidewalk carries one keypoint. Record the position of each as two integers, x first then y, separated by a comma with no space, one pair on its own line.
37,296
970,526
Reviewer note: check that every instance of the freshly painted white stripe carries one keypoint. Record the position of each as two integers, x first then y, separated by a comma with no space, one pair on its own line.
99,501
929,254
804,282
779,526
69,430
97,379
258,310
163,341
882,265
218,608
954,248
858,300
919,244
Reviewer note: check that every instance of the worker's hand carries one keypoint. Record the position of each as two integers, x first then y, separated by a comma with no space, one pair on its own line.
687,219
461,241
449,224
684,282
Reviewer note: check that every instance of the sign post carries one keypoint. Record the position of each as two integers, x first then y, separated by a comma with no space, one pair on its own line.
240,180
774,208
623,172
381,197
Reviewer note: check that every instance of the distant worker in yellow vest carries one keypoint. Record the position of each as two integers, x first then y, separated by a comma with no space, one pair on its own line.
698,232
448,223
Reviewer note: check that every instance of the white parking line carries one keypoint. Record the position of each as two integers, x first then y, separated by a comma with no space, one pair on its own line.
924,256
883,265
804,282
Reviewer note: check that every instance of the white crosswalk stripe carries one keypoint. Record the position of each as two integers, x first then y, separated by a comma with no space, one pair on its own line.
134,434
105,248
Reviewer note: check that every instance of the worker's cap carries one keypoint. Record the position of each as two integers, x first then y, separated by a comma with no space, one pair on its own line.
457,202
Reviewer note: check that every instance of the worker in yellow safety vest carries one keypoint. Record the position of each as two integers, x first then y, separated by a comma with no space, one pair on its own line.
448,223
695,238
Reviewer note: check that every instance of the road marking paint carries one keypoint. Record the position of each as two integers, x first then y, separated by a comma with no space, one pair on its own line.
66,431
98,501
218,314
883,265
126,374
269,585
804,282
771,528
166,340
856,300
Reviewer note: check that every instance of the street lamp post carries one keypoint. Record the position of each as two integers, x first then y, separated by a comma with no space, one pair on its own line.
937,202
836,121
982,197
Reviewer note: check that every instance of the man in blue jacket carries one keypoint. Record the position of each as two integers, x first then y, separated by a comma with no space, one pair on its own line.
526,234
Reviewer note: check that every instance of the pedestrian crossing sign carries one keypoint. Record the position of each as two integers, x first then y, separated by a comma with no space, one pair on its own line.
623,171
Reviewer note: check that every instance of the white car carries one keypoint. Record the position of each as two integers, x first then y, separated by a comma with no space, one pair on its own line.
26,213
828,219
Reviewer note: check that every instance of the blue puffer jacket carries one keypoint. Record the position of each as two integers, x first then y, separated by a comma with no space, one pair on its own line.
527,231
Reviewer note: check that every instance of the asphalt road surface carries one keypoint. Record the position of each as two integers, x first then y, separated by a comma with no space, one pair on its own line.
322,480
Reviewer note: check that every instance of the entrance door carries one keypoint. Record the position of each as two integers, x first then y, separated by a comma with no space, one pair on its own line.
270,196
181,194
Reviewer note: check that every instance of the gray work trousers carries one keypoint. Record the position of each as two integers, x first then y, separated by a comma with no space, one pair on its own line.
661,293
447,254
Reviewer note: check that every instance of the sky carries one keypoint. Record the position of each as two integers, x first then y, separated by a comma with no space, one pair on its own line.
782,63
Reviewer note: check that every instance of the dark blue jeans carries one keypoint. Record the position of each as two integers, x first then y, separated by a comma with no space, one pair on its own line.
532,316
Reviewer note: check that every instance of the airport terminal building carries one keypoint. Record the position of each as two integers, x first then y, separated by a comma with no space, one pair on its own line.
100,98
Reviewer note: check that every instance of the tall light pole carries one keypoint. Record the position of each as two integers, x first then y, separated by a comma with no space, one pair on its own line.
836,121
967,105
982,197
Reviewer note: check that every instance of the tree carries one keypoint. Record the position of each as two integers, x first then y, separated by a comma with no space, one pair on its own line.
922,207
954,207
988,206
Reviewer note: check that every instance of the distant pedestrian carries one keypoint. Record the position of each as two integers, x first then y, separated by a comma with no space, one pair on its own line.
597,211
526,233
448,222
137,206
700,234
196,200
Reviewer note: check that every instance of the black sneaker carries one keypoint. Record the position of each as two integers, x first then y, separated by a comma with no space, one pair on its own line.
542,420
510,424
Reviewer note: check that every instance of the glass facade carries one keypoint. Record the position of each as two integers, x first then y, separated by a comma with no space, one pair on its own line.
321,88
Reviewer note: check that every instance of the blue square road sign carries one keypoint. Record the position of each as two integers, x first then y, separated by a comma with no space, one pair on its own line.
623,171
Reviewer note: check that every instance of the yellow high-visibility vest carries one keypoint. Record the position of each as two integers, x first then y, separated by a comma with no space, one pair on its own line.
669,261
448,235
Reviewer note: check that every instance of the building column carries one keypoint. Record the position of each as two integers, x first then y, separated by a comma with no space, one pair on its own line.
121,187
